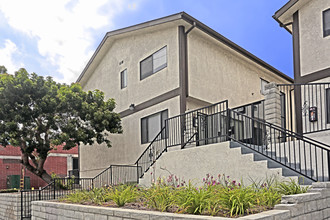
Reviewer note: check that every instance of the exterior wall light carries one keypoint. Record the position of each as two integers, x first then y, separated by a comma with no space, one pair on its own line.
132,107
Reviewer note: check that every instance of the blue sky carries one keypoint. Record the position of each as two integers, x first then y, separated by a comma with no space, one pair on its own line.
57,38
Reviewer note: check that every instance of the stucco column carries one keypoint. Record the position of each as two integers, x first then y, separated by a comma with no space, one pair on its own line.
272,111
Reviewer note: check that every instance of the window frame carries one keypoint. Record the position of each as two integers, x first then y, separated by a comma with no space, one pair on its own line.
142,77
162,121
122,81
325,34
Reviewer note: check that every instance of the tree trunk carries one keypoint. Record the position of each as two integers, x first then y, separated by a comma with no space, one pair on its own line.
39,170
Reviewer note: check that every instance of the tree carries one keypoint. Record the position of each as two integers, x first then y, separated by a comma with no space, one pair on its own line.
3,70
37,114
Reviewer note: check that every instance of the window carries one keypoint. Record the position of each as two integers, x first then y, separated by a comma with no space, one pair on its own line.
151,126
326,23
328,105
153,63
262,86
123,79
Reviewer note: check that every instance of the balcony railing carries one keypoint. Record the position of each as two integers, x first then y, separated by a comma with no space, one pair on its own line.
307,107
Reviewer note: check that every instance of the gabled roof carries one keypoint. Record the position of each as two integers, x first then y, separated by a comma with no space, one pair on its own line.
192,21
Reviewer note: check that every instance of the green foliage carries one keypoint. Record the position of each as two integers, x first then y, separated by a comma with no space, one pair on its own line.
159,197
122,194
237,200
291,187
37,113
193,200
220,196
77,197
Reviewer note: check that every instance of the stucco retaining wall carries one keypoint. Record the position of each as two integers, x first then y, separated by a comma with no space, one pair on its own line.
10,206
312,205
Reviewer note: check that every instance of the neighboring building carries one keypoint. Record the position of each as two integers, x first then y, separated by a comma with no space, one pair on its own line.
163,68
59,161
309,23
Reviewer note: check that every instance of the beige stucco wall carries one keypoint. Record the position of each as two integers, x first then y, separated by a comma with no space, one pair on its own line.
194,163
314,48
217,73
126,147
131,49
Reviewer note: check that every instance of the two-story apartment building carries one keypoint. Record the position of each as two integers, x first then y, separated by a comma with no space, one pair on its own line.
163,68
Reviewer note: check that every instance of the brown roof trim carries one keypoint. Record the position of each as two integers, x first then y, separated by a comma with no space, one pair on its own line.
282,10
233,46
199,25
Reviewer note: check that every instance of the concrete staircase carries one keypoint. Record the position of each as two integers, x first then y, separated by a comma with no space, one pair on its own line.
272,164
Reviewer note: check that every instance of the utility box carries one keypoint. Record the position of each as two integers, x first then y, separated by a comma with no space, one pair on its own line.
13,181
27,183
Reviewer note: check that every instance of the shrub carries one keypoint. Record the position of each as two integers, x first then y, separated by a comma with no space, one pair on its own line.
159,197
194,200
291,187
122,194
237,200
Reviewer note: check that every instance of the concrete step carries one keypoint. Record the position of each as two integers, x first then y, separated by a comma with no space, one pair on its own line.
274,164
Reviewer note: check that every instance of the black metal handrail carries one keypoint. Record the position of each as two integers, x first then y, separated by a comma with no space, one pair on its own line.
155,149
117,174
303,155
186,128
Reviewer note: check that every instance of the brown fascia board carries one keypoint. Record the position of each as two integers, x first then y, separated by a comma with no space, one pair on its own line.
282,10
191,20
233,46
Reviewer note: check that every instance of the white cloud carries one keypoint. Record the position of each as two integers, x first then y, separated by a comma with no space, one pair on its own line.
63,28
6,56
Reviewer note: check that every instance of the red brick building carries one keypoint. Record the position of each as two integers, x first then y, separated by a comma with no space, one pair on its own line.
59,161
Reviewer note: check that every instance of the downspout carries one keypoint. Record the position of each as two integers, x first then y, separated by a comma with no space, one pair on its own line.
186,57
183,73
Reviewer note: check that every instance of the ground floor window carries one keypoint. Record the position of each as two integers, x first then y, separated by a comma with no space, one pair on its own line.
151,126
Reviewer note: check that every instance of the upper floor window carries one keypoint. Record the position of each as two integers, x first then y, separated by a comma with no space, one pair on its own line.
153,63
151,126
123,79
326,23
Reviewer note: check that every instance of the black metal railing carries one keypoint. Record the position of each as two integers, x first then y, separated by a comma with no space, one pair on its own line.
303,155
201,126
117,174
307,107
253,110
58,188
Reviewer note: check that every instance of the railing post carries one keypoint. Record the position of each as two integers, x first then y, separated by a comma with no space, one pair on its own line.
328,165
228,124
22,200
39,194
137,172
166,137
54,188
111,175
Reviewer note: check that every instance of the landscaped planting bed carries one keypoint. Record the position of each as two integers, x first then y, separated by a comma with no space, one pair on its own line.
219,196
